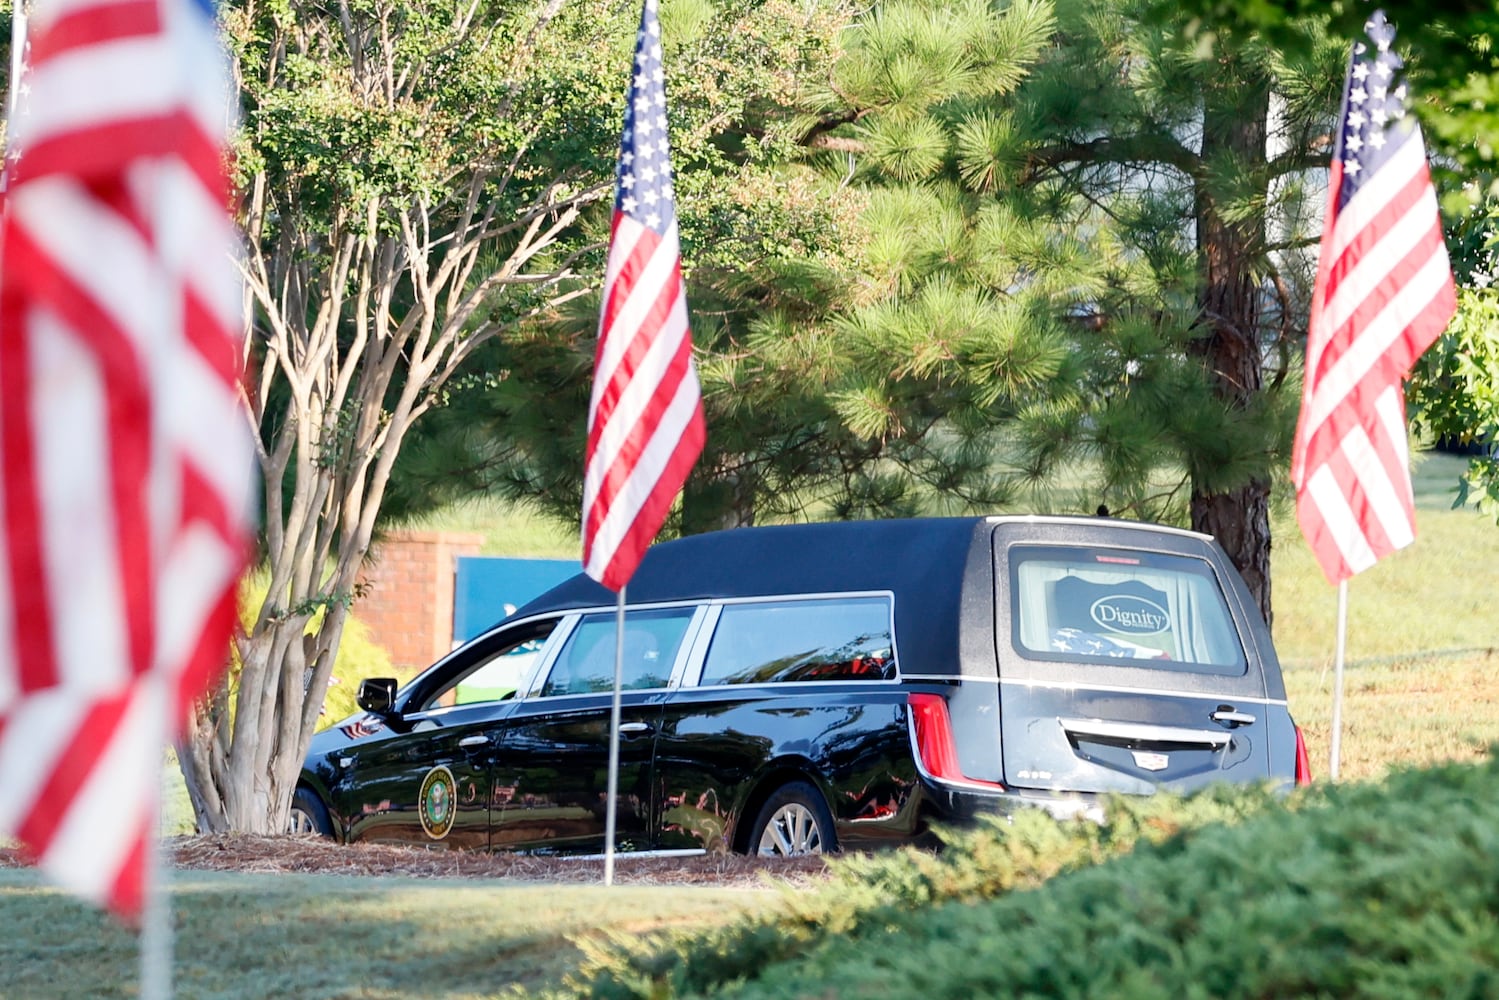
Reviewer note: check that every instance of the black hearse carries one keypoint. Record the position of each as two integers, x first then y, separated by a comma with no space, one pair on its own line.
810,687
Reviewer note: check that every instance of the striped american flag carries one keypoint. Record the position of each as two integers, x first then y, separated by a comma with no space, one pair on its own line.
1384,293
127,458
645,420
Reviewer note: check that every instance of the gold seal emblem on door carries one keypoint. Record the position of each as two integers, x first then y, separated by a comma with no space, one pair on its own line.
437,802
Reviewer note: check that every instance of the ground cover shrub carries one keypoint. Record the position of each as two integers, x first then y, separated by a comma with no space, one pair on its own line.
865,893
1386,890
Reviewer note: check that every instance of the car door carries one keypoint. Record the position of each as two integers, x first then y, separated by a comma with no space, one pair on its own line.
1124,668
427,777
551,777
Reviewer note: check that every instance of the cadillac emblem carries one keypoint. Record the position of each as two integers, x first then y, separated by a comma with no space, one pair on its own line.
1143,759
436,803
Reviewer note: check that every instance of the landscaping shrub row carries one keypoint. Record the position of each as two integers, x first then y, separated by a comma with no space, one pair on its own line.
1387,890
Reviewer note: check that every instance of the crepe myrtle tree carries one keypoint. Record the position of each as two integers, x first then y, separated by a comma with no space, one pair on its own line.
410,176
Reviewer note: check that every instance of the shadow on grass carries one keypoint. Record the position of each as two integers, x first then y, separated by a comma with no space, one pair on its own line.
241,936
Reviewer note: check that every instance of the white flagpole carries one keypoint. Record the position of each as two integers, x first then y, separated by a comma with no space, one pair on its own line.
609,806
155,941
1337,679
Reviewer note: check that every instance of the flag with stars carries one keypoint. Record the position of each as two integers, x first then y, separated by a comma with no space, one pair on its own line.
645,419
1384,292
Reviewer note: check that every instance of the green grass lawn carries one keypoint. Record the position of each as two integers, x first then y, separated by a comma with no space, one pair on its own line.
315,937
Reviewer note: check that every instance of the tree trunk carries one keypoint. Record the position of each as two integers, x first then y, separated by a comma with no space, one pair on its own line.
1234,126
240,776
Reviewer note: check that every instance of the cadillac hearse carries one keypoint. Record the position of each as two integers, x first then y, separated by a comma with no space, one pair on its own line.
813,687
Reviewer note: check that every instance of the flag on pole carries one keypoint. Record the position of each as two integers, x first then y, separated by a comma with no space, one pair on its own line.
645,420
1383,294
125,499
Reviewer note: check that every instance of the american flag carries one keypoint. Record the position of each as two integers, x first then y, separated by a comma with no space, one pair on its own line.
1384,293
645,420
126,453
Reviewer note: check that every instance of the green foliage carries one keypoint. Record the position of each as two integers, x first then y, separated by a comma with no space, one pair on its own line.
1451,46
1455,394
867,893
1454,390
779,254
1350,891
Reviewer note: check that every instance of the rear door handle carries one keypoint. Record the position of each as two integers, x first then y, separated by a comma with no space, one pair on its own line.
1232,718
634,728
473,741
1142,732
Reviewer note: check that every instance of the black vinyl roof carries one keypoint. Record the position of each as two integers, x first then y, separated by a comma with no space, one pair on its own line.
923,561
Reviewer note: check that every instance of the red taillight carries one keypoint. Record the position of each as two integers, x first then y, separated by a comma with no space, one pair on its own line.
1303,763
934,740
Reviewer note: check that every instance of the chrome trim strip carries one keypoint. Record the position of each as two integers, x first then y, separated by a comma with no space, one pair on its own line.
1055,519
1107,688
683,852
687,649
783,686
692,602
698,655
1144,731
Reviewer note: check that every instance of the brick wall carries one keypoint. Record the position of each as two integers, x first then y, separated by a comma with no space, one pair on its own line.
408,593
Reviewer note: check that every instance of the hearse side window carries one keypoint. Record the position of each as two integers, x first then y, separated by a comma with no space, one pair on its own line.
829,639
586,664
494,676
1113,605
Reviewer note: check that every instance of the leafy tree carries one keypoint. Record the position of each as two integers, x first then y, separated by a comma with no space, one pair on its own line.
1452,44
1088,257
1454,391
411,176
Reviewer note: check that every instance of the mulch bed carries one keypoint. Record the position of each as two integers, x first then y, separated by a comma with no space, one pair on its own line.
311,855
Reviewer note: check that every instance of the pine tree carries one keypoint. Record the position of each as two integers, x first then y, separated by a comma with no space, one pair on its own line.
1197,163
821,309
1143,191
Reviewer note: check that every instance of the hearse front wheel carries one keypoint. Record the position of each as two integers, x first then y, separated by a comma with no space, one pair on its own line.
793,822
308,815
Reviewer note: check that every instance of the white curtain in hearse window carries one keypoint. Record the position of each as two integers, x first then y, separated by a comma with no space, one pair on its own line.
1078,604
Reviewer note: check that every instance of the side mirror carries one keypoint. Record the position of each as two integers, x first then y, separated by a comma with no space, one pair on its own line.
377,695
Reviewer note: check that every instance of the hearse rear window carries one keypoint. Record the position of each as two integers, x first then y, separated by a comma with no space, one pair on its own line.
1111,605
824,639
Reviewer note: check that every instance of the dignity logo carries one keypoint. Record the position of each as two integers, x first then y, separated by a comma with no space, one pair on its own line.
1130,615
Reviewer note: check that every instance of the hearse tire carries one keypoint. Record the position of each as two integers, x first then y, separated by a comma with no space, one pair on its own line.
795,821
308,815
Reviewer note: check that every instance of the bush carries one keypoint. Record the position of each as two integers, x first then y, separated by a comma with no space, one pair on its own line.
868,892
1386,890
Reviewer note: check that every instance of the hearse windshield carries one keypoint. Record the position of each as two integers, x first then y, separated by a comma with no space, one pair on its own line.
1105,606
